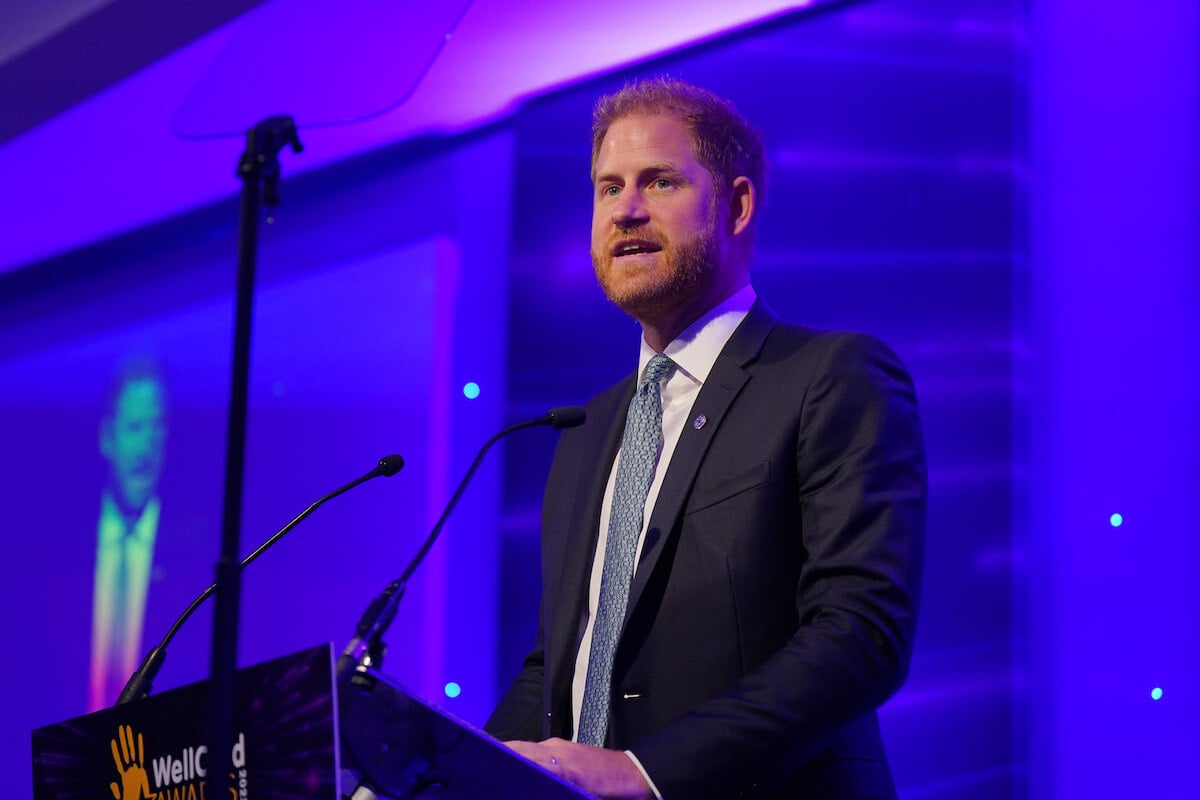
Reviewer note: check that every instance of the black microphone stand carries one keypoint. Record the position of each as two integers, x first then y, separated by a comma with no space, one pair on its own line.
365,651
358,667
139,684
259,163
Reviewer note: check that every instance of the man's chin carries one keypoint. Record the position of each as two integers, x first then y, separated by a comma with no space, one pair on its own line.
646,294
644,302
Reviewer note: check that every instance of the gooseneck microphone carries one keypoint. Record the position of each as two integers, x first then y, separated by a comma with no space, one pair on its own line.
366,648
139,683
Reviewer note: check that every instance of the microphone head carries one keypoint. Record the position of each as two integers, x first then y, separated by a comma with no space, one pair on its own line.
389,465
566,417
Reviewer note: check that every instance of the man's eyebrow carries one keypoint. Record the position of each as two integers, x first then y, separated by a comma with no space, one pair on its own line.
647,170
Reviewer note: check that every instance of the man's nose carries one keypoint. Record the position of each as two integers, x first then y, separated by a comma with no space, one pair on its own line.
630,211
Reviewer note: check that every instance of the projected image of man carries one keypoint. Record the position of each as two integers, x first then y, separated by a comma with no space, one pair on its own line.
133,433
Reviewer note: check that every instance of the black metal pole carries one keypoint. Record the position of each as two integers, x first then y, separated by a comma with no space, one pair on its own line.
259,163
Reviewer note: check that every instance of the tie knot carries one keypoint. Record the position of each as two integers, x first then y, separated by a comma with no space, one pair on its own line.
658,367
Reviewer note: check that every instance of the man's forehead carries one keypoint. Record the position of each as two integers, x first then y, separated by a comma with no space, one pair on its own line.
662,138
143,394
659,121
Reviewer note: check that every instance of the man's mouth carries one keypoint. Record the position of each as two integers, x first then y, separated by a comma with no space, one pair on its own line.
633,247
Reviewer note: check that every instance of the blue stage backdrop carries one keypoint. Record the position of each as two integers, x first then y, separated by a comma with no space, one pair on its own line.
1115,145
416,299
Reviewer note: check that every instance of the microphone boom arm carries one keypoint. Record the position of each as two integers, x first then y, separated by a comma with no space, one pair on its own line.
139,683
366,648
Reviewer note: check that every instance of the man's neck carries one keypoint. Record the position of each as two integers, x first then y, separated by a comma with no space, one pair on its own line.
661,332
128,512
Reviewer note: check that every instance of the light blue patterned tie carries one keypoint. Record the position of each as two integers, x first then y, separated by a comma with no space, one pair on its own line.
639,454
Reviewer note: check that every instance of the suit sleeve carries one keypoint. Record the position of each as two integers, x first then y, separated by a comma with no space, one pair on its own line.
518,716
861,491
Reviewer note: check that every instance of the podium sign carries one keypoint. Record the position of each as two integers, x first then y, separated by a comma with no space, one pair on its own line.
285,741
297,735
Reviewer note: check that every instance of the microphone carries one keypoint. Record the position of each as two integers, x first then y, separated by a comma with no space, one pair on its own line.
366,649
565,417
138,685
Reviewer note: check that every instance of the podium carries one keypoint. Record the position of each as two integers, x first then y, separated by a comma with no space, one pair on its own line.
298,735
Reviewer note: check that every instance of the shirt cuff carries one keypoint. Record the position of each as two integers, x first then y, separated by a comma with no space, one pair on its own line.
646,775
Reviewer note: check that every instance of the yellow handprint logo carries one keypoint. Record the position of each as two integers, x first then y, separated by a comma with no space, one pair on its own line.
135,781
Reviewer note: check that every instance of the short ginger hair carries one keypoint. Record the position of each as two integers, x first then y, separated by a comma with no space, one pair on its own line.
722,139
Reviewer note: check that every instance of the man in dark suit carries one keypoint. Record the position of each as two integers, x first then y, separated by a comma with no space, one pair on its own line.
731,544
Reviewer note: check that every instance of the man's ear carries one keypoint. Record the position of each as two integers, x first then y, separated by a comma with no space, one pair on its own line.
743,205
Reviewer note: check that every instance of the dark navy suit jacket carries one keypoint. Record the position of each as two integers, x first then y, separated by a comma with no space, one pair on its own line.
774,605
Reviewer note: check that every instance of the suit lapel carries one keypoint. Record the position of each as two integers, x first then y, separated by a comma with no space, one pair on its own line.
726,379
606,422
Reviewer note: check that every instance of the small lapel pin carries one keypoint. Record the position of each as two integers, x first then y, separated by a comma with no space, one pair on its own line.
699,421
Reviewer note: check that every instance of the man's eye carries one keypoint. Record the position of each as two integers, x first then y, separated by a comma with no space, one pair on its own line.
663,183
611,190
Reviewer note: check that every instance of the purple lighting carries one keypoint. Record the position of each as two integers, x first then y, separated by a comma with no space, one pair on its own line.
336,65
127,169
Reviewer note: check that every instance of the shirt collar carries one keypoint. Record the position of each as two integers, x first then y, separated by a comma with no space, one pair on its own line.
115,526
696,349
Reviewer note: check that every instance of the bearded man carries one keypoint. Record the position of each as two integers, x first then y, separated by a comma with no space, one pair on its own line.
731,544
